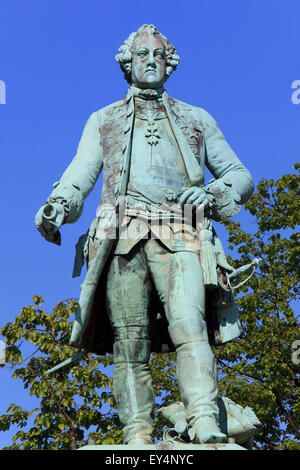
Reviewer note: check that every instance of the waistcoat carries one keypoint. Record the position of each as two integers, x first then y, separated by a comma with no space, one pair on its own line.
116,133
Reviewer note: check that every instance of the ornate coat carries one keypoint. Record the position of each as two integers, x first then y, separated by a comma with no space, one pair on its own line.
106,146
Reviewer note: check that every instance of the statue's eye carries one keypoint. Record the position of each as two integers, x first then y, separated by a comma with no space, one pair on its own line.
142,54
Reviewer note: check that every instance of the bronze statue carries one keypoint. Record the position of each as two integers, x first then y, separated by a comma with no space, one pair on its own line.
157,277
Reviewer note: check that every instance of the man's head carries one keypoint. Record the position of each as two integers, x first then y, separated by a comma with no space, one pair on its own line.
147,58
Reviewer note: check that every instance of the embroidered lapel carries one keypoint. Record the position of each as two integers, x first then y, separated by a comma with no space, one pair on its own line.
193,168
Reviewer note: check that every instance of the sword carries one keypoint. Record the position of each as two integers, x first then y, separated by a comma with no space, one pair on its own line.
70,360
237,272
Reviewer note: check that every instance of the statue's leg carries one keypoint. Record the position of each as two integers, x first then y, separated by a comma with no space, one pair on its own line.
179,281
128,291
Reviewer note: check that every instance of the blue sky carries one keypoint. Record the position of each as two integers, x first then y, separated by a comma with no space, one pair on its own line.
238,61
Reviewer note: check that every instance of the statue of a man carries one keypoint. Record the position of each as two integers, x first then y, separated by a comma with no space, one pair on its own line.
157,288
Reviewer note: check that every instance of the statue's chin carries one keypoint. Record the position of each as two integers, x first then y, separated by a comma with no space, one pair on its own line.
145,85
149,84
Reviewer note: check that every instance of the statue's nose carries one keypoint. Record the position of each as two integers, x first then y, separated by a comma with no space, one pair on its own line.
151,60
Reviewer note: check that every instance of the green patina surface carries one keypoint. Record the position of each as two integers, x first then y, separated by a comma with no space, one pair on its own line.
152,285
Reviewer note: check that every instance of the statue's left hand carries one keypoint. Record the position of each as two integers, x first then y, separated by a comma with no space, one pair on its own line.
194,196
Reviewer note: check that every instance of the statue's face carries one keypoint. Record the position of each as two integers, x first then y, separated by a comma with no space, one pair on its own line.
149,62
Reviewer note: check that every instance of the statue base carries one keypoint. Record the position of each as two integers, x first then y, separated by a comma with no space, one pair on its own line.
162,446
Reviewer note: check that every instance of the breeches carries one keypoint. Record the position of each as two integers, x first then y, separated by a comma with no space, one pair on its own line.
178,280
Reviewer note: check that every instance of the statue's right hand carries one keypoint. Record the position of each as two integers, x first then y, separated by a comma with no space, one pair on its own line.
48,220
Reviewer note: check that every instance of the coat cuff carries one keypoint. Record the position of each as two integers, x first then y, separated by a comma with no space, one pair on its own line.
224,201
70,196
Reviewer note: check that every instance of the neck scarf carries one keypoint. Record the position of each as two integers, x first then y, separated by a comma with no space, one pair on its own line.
147,93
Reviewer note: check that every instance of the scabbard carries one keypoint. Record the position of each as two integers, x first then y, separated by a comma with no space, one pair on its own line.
70,360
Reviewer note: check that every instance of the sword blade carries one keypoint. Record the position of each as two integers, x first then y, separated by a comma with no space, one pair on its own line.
68,361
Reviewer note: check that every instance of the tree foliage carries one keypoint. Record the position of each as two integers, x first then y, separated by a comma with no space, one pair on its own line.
76,405
72,402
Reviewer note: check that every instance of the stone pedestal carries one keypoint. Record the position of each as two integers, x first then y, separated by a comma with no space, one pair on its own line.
162,446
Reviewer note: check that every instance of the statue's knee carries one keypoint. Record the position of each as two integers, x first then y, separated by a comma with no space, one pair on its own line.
132,350
188,330
130,332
